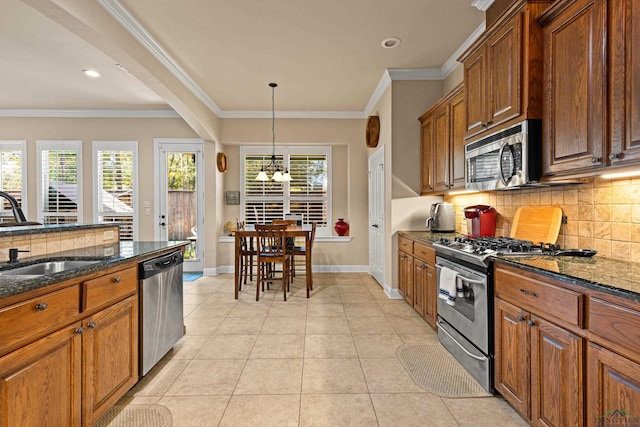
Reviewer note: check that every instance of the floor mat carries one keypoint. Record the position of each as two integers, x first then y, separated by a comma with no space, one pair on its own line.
434,369
190,277
136,415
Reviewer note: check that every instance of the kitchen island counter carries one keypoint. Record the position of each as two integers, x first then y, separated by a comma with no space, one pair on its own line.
109,255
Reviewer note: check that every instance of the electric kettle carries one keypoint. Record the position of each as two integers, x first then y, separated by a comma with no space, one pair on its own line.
442,218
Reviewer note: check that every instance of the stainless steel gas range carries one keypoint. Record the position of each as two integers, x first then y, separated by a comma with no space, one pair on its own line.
465,303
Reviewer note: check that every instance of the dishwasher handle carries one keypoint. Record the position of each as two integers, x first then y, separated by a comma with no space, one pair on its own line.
158,265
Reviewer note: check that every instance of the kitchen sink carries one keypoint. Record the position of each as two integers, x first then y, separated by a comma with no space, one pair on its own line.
46,268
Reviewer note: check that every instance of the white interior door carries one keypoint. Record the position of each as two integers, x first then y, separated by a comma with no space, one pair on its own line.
180,196
376,215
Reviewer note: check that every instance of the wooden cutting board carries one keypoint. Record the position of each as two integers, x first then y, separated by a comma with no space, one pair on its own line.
538,224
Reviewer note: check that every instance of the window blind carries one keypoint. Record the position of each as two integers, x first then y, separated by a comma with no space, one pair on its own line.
60,194
115,189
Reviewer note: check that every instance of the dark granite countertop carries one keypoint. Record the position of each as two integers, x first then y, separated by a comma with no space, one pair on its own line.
613,276
110,255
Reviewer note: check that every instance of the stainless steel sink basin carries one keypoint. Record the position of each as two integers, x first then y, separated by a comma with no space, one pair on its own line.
46,268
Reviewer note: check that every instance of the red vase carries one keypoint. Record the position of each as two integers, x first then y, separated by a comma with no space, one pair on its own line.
341,227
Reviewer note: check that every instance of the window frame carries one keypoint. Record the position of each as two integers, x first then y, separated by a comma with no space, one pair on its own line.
287,151
116,146
19,145
62,146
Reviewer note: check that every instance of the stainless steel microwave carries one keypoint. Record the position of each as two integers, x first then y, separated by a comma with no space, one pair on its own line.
506,159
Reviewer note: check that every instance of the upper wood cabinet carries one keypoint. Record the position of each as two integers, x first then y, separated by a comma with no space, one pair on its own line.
503,71
624,81
574,80
592,86
426,154
443,129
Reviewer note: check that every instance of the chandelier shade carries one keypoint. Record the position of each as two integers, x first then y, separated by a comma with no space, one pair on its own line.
273,168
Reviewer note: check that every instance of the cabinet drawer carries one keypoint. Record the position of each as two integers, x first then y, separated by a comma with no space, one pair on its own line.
405,245
425,253
109,288
616,324
24,322
540,297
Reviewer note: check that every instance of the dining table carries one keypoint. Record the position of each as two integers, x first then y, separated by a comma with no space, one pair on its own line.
292,231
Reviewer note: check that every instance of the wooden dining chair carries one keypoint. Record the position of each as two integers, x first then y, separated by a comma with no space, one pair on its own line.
247,257
271,249
302,251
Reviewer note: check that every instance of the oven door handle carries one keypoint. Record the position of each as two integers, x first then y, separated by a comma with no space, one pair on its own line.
482,359
477,282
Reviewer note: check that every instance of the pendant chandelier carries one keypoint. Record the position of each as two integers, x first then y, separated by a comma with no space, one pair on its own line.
272,167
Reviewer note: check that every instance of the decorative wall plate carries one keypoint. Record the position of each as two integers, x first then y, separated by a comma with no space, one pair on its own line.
373,131
222,162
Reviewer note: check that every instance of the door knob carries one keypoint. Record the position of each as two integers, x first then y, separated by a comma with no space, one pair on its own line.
375,226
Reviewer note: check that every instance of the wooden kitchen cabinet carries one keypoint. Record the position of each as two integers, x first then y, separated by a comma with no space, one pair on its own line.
70,354
624,82
613,361
443,131
592,87
613,387
405,276
426,154
574,125
417,278
539,365
502,71
110,357
40,383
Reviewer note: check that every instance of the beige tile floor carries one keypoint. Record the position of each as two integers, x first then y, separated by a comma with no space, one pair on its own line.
325,361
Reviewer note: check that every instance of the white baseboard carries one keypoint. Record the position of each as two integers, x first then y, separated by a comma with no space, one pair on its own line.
392,293
226,269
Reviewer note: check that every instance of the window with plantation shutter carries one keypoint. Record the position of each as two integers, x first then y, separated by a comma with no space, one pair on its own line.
307,194
13,169
59,186
115,184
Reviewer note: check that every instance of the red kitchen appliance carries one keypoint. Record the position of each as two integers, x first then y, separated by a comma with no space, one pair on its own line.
481,220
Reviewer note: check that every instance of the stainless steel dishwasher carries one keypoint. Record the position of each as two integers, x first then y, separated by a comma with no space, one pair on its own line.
161,309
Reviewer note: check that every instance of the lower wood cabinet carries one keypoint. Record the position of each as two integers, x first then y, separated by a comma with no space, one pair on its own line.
538,367
417,278
613,388
71,366
110,357
40,384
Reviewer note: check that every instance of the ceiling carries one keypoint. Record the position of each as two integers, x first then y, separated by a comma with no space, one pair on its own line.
326,55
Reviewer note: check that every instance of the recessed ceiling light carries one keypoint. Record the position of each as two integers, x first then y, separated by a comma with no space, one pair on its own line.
91,73
390,43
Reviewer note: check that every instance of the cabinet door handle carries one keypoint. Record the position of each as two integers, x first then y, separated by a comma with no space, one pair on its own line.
42,306
521,318
116,279
91,325
595,159
531,323
79,331
614,156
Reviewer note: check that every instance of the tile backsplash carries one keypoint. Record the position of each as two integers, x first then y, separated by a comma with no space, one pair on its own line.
600,214
39,244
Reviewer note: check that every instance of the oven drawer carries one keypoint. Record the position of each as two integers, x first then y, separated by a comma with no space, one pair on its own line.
424,253
540,297
405,245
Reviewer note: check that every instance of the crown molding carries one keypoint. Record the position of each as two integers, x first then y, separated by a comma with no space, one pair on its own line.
452,63
241,114
131,24
112,114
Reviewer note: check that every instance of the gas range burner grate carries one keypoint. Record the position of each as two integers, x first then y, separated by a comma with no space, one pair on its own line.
499,246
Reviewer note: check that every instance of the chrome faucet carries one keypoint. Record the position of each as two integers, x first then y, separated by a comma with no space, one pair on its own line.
17,212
